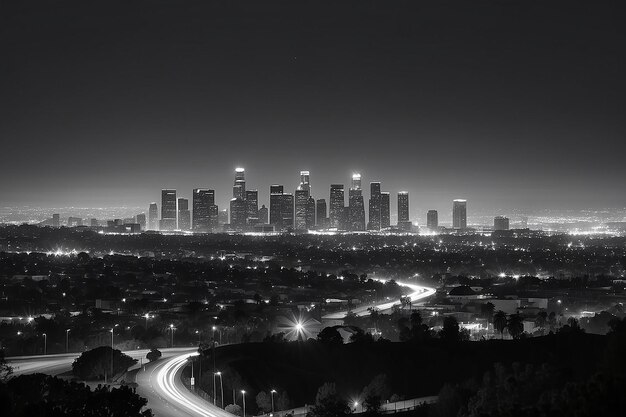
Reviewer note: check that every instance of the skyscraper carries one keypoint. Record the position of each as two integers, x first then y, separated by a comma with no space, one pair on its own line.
287,211
252,206
501,223
403,211
374,207
301,201
321,220
276,204
140,219
305,183
432,219
239,186
385,210
310,214
238,214
459,214
336,211
184,215
356,206
263,215
202,200
153,217
56,220
168,210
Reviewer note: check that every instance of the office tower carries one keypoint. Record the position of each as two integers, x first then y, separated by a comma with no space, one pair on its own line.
501,223
356,206
252,206
140,219
310,214
321,220
214,218
432,219
305,183
263,215
403,206
301,199
385,210
94,222
336,210
129,220
459,214
222,217
184,215
202,199
56,220
374,207
276,204
238,214
168,210
287,211
153,217
239,187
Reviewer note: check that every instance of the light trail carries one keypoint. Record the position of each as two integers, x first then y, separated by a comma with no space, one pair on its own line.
419,293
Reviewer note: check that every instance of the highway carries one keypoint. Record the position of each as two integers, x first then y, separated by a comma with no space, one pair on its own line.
419,293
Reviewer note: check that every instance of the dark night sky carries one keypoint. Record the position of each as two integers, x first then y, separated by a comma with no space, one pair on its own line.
507,103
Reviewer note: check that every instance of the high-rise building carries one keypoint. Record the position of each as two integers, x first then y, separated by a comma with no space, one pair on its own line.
238,214
310,214
403,206
287,211
385,210
305,182
140,219
202,200
239,187
432,219
184,215
252,206
374,207
501,223
153,217
336,210
459,214
321,220
222,217
263,215
168,210
214,218
56,220
356,206
276,206
301,201
94,222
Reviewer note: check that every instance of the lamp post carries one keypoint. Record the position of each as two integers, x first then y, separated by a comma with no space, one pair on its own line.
272,392
243,396
45,344
172,328
218,373
67,340
146,316
112,333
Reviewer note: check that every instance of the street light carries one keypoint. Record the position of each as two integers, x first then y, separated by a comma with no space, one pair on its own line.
172,328
146,316
218,373
45,343
67,340
243,395
272,392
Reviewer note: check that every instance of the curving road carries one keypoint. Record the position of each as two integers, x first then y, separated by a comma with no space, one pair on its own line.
419,293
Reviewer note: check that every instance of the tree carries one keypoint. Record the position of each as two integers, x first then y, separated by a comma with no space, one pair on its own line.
264,402
153,355
5,369
283,402
450,331
500,322
328,403
330,336
486,311
96,363
515,325
234,409
375,393
541,321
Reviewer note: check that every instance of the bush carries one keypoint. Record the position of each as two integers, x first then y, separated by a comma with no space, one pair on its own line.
153,355
234,409
96,363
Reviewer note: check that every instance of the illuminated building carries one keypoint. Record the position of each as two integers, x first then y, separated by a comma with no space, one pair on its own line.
276,204
501,223
301,201
321,220
239,187
432,219
336,210
252,206
184,215
222,217
459,214
238,214
287,211
310,213
214,218
94,222
356,206
140,219
56,220
202,200
263,215
385,210
374,207
168,210
305,183
153,217
403,211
